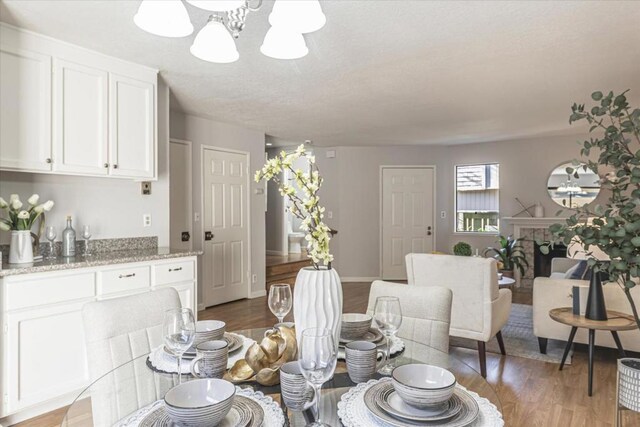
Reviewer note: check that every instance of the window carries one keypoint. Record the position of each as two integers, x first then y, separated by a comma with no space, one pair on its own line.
477,203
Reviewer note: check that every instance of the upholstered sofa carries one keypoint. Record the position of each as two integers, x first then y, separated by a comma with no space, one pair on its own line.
556,291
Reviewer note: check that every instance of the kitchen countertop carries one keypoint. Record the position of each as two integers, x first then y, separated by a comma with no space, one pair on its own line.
95,260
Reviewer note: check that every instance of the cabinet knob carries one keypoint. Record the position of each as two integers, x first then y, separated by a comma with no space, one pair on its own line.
115,166
106,165
48,160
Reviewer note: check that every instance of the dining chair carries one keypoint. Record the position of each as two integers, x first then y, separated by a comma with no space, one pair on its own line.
426,312
117,331
479,310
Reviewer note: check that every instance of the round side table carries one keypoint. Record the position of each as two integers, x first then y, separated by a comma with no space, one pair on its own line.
616,322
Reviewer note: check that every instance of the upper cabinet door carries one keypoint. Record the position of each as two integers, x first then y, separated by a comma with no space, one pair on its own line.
25,110
132,139
81,119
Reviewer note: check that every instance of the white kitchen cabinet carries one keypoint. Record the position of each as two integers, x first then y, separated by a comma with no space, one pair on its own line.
81,119
68,110
25,109
131,127
42,352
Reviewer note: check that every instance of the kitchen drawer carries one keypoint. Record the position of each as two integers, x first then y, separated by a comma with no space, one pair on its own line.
124,279
174,272
47,288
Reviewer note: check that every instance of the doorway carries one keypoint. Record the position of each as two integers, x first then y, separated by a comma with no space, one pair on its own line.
407,213
225,266
180,195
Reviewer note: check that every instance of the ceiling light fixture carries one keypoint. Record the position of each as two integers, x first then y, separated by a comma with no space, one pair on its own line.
289,19
167,18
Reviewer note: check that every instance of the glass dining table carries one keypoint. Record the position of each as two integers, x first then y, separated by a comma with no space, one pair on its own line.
135,385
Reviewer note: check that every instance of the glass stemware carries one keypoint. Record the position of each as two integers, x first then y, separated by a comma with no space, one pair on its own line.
280,300
179,329
318,358
388,316
86,235
51,234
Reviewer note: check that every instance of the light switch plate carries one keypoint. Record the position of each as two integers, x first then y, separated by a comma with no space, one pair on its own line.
443,214
146,188
146,220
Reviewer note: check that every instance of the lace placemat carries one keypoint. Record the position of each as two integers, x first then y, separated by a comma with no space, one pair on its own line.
165,362
273,415
354,413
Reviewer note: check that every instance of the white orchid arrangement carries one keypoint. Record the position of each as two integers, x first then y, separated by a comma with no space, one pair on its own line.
19,218
306,208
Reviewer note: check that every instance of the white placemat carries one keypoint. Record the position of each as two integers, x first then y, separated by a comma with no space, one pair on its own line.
354,413
165,362
273,415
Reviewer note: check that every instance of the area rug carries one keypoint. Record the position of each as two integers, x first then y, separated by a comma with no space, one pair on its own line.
519,339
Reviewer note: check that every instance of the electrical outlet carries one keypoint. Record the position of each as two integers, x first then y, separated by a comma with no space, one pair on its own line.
254,278
146,220
146,188
443,214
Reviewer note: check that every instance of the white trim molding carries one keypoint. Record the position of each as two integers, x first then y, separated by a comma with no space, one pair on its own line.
258,294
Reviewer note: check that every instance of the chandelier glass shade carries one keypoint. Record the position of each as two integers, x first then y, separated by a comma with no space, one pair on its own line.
214,43
217,5
301,16
167,18
281,43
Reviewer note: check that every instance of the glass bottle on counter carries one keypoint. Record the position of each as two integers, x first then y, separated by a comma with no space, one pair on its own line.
69,240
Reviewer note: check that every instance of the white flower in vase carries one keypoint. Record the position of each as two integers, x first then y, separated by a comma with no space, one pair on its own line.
33,200
3,203
16,204
23,215
48,205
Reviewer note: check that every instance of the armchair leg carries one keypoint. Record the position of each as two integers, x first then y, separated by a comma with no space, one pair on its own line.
542,343
501,343
482,354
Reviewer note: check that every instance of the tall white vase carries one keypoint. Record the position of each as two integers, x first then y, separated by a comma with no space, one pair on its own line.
21,247
317,301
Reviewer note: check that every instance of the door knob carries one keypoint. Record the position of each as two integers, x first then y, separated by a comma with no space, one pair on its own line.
429,231
185,236
208,235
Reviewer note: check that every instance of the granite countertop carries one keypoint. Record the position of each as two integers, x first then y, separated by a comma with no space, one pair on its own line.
95,260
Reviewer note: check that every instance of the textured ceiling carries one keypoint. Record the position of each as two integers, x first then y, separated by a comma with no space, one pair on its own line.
382,72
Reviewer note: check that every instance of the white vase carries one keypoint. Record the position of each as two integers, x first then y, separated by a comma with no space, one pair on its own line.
21,247
539,210
317,301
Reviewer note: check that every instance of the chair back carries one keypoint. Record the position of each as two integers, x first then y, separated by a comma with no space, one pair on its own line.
426,312
117,331
473,280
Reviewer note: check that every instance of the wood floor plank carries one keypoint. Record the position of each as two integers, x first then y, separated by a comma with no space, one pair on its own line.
532,393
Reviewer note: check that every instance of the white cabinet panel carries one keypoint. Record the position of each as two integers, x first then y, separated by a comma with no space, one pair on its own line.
186,292
44,355
131,127
40,289
125,279
175,272
25,110
81,118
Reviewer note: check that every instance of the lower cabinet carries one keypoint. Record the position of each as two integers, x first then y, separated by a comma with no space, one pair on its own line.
42,353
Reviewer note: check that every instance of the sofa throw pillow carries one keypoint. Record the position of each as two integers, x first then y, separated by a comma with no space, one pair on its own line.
580,271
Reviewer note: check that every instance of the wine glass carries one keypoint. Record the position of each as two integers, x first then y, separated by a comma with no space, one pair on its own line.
179,329
51,234
280,301
86,235
388,316
318,358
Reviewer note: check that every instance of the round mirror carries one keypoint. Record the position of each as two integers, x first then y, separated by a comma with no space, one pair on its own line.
570,191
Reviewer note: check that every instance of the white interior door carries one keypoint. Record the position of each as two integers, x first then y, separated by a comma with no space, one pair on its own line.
225,225
407,217
180,195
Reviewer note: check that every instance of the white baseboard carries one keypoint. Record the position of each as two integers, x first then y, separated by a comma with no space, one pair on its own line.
258,294
200,308
277,253
358,279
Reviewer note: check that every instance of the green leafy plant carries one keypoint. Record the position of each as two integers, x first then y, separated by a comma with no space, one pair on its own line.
462,249
510,254
612,227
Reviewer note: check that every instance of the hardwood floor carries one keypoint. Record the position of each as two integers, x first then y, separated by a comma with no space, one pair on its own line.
532,393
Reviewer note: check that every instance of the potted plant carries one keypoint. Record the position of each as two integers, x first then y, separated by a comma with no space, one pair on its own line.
462,249
510,255
317,294
19,223
612,227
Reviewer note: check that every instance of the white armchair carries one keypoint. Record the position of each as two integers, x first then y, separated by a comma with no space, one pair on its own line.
479,308
556,291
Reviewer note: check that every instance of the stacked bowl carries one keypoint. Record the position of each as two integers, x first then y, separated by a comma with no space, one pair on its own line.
354,325
423,386
200,403
209,330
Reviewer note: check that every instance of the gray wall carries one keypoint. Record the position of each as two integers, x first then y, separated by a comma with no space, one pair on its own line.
274,215
201,131
351,190
112,207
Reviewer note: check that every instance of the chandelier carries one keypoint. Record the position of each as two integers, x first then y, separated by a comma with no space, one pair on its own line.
289,20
